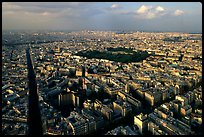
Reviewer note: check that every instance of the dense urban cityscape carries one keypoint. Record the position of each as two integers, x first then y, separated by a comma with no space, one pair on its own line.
92,82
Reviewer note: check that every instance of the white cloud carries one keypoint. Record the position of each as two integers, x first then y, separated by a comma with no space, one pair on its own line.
178,12
115,6
150,12
143,9
159,8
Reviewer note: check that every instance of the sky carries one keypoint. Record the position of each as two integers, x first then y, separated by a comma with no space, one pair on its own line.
131,16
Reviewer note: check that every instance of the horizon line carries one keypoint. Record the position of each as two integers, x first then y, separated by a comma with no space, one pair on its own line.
124,31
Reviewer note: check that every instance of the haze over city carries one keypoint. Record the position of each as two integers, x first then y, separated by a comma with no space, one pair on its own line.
142,16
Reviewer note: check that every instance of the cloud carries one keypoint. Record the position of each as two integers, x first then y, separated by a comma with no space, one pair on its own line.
48,14
150,12
55,11
66,15
36,7
10,6
115,6
159,8
143,9
178,12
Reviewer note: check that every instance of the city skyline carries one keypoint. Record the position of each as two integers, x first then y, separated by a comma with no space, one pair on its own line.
130,16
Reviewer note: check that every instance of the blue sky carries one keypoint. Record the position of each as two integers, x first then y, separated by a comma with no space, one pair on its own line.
142,16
